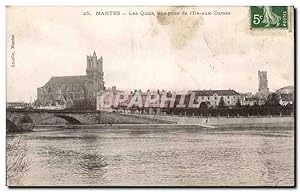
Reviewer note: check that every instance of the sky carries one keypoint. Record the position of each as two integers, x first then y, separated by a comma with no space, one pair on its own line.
182,52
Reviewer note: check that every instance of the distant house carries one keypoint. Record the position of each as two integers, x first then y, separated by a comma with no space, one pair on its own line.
108,99
286,99
213,97
253,100
205,98
286,90
250,101
286,95
18,105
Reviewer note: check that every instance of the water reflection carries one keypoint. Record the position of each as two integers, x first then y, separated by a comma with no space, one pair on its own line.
139,156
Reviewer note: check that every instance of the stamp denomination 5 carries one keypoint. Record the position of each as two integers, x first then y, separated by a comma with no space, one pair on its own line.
269,17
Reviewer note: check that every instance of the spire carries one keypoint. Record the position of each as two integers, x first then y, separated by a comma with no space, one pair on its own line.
94,54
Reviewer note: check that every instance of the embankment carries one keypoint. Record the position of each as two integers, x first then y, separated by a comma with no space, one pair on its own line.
119,118
224,121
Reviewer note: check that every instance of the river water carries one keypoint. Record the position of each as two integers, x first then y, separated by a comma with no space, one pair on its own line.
158,156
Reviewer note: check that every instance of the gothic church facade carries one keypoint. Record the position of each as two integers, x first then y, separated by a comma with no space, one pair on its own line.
68,90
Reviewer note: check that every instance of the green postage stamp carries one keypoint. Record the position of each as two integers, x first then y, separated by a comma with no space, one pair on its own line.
269,17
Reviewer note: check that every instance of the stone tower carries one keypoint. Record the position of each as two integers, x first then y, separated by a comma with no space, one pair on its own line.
94,72
263,90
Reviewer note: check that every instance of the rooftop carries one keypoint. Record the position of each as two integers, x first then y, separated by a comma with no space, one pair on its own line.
67,80
287,87
227,92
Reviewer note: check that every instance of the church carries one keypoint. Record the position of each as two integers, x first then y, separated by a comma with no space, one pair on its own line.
69,91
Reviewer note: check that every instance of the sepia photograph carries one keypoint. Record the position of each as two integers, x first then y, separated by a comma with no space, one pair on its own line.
150,96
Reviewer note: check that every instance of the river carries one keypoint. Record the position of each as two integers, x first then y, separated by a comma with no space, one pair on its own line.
164,156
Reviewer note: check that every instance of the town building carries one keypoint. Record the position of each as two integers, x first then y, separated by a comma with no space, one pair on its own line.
253,100
286,90
108,99
263,89
18,105
212,98
69,90
286,99
205,99
262,94
244,97
286,95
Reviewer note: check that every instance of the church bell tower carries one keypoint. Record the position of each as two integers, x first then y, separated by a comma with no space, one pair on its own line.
94,72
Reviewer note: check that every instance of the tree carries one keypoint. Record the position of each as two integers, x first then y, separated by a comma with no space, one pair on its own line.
37,103
272,100
17,162
221,103
238,103
203,105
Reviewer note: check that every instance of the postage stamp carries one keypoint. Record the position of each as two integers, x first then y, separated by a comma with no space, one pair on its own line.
269,17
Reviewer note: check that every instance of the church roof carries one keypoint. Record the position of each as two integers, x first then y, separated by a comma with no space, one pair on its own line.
218,92
67,80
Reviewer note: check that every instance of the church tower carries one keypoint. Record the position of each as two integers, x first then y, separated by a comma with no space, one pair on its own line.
94,73
263,89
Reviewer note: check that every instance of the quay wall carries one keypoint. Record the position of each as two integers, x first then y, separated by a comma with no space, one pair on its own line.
221,120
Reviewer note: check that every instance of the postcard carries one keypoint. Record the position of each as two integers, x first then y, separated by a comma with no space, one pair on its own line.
157,96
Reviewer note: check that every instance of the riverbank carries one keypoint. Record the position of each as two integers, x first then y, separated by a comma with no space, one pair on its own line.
168,126
119,121
220,120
